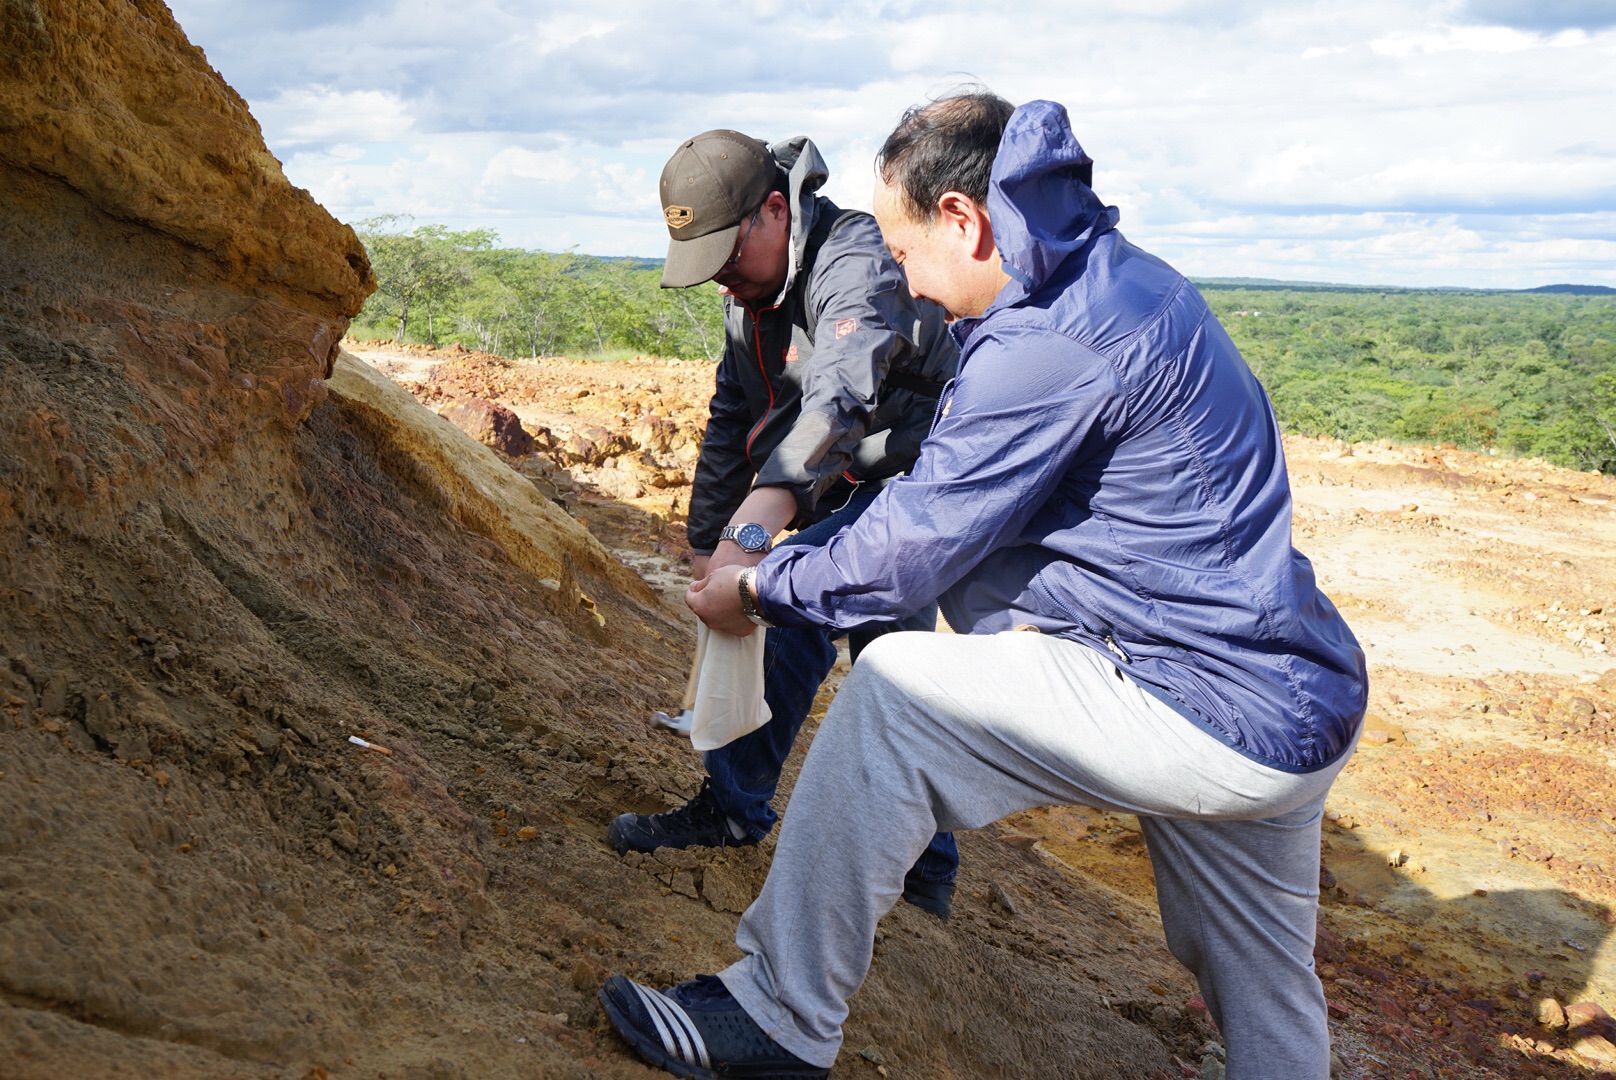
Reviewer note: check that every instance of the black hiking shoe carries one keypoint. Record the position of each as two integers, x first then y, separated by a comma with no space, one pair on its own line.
934,897
697,1030
698,823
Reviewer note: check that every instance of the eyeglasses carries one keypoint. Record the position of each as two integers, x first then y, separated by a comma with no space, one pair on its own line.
733,260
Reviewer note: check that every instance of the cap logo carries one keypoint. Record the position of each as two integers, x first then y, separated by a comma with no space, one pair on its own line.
679,216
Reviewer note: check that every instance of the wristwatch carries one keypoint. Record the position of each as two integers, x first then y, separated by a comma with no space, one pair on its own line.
753,538
749,606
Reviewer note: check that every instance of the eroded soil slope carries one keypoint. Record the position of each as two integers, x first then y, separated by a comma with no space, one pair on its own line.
1470,864
226,550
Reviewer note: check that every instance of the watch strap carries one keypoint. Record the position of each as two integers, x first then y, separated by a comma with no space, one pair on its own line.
749,606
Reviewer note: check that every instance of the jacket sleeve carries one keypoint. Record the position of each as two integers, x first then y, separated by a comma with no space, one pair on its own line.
1031,406
864,321
723,473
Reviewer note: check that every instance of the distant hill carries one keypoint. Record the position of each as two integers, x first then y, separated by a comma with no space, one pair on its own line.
642,263
1326,286
1575,290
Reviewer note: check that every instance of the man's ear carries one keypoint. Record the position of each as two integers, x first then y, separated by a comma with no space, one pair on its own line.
966,221
777,206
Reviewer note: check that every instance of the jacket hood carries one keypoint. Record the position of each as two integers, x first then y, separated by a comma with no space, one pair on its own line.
1040,199
806,173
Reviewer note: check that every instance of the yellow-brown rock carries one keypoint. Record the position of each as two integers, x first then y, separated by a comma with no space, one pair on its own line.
105,100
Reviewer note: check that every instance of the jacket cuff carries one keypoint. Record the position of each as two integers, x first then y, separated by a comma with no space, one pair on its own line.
769,581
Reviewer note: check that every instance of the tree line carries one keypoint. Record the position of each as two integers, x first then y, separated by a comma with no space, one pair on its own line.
1529,374
438,286
1517,373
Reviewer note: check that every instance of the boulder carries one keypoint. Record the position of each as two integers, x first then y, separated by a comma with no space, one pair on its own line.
591,445
491,424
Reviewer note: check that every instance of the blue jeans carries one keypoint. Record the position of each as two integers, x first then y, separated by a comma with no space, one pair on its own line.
795,661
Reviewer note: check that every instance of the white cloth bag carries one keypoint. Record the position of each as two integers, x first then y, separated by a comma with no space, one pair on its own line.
728,699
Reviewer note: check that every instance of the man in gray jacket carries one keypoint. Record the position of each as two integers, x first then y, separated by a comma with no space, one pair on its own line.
828,385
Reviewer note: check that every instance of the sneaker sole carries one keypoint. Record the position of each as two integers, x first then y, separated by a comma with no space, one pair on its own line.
658,1055
646,1047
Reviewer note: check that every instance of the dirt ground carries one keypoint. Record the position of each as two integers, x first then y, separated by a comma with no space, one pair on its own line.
1470,859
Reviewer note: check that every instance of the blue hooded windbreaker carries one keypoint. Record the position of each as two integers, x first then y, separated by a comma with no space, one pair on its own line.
1106,468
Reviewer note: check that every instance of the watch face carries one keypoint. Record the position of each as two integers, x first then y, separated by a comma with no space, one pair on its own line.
752,537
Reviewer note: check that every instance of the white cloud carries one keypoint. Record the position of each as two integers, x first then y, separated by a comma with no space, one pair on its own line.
1422,142
321,114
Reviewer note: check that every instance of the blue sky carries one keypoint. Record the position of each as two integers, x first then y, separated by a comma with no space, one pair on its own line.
1464,142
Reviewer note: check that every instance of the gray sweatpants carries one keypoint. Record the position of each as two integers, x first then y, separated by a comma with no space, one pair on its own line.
933,732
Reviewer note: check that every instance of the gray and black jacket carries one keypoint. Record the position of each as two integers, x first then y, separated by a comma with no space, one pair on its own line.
831,384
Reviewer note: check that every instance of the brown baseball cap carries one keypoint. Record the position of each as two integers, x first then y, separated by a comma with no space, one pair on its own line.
708,187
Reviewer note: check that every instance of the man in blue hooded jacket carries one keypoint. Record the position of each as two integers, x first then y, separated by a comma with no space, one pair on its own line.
1106,472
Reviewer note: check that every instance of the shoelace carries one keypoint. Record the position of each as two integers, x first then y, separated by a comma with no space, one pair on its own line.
705,990
701,809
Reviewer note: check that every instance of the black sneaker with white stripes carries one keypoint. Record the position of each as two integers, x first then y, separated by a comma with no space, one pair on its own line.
696,1029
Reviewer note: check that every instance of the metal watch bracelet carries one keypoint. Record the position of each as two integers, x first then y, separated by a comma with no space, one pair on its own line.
749,606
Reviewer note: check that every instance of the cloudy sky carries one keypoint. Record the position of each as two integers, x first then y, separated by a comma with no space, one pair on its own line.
1457,142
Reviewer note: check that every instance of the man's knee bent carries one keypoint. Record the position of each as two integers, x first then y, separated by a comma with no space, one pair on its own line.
888,665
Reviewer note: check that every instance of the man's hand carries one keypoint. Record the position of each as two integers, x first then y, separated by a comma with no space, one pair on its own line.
698,566
716,600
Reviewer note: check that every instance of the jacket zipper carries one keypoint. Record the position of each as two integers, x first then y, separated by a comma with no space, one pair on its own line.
1111,643
757,345
1106,637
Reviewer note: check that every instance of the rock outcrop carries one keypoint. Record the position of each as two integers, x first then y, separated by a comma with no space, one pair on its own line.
213,569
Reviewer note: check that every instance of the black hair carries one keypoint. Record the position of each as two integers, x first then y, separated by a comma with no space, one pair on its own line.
945,145
782,184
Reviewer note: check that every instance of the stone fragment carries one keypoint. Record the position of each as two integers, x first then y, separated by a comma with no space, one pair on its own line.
1596,1049
1001,897
591,445
1164,1019
1588,1014
1550,1014
1378,731
726,887
668,478
491,424
345,833
619,483
677,858
652,432
684,883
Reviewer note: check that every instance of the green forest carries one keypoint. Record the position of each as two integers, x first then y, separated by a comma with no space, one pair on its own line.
1524,374
1520,374
443,287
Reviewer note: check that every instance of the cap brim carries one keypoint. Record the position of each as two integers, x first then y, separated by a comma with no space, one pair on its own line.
691,262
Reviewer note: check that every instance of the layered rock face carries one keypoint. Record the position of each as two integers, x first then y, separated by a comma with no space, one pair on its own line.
213,568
